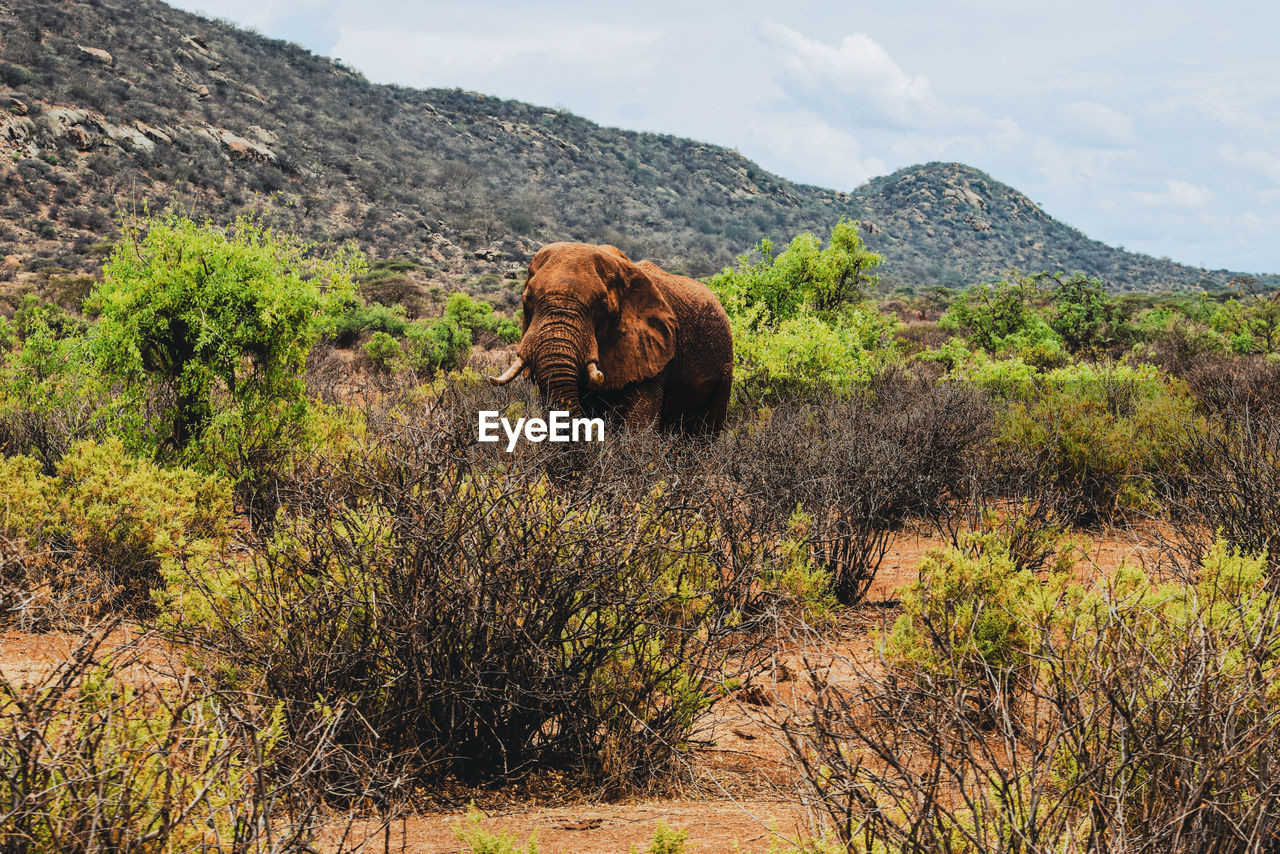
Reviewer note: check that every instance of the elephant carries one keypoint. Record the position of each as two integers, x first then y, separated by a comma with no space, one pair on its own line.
603,335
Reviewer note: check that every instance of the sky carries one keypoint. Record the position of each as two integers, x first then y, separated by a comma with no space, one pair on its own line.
1149,125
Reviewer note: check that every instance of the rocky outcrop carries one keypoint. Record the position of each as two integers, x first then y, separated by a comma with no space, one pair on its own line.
87,129
97,53
237,147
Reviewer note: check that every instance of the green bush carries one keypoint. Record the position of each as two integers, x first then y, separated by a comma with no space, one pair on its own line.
360,318
769,291
478,316
214,327
668,841
51,395
1084,316
1124,713
480,841
807,356
216,323
1001,317
34,316
442,345
1094,435
972,616
383,350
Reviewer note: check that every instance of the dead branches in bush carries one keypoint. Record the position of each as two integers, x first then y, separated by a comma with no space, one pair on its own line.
483,621
1132,718
90,763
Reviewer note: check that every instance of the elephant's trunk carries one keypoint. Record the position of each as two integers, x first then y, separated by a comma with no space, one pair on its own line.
558,365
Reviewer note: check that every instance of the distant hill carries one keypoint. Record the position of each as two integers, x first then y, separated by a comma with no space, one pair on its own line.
109,103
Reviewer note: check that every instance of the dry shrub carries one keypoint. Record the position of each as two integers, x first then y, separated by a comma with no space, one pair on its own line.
1228,485
97,536
1230,387
861,466
1010,716
89,763
469,616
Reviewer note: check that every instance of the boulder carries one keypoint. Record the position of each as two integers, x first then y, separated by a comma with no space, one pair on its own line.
239,148
98,54
154,134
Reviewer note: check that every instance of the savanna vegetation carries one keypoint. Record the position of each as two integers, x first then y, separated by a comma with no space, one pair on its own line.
236,447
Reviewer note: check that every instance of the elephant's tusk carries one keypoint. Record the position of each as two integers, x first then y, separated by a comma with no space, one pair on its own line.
594,375
509,374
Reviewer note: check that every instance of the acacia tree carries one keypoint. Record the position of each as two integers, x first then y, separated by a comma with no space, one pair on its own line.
209,330
1084,315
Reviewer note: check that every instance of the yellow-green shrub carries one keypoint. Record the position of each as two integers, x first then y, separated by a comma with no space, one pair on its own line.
973,615
115,523
1093,434
1139,713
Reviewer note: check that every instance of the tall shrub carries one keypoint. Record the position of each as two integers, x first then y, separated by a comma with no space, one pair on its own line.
208,329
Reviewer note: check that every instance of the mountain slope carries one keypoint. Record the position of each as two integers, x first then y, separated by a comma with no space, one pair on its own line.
111,103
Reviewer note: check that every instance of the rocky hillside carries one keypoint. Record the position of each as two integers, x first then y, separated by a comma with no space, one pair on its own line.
951,224
113,105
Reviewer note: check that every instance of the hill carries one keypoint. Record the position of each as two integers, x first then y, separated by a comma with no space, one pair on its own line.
110,104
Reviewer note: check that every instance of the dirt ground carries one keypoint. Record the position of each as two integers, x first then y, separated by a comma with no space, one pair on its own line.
738,794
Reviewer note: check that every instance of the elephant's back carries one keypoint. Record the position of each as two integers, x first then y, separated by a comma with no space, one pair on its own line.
688,297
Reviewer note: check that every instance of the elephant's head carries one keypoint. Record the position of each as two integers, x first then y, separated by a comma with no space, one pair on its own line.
591,318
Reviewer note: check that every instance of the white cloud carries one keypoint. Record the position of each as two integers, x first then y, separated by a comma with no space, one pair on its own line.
1091,123
859,84
830,156
1177,194
591,51
1254,160
1072,165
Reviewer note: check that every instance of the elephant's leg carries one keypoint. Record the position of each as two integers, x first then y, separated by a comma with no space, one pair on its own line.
707,417
643,407
718,407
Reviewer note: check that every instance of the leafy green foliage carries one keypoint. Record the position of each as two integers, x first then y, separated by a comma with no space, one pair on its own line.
215,325
777,288
971,616
1094,434
359,318
440,345
478,316
1144,711
471,832
1083,314
383,350
800,324
806,356
668,841
50,394
1002,317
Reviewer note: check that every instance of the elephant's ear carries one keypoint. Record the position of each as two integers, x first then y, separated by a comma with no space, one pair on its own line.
643,340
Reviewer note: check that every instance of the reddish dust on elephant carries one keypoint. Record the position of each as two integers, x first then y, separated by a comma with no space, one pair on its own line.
603,335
